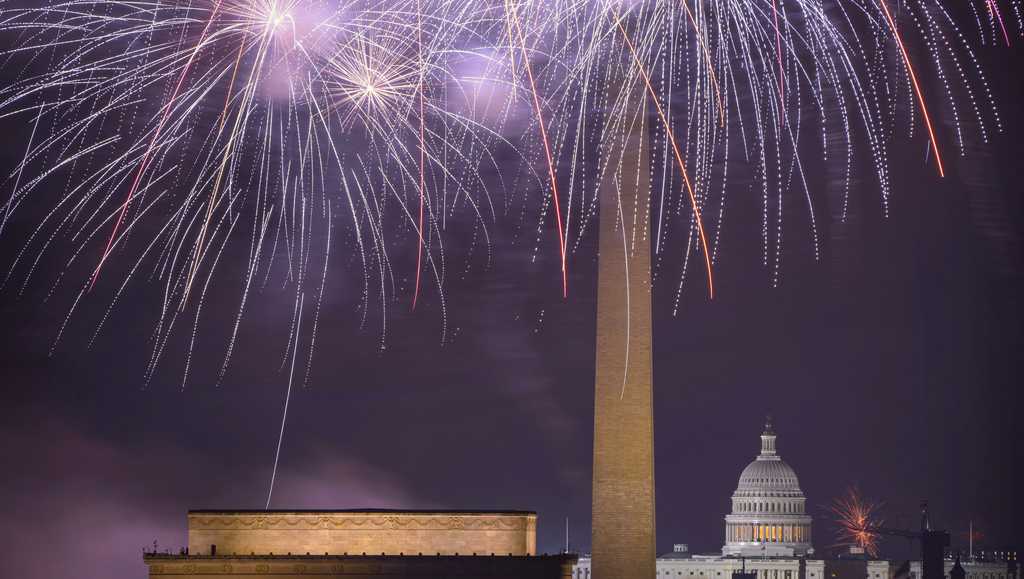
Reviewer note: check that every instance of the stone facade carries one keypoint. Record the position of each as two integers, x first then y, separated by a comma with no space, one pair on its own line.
360,567
972,569
623,483
362,532
857,567
679,566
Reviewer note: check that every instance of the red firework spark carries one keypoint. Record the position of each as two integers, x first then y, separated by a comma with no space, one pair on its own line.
858,521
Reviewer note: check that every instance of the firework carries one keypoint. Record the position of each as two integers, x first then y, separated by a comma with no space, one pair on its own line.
225,117
182,142
858,521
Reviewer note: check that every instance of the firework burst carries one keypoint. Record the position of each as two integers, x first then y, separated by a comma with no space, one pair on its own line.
858,521
181,142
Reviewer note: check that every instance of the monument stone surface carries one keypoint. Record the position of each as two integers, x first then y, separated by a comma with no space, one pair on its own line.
622,543
362,531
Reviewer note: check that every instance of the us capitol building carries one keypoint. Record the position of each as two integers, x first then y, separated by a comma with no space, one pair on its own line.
768,516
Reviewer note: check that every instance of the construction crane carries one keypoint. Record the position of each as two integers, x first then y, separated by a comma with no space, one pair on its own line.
933,544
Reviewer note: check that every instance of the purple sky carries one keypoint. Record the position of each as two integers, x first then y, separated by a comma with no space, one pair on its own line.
893,363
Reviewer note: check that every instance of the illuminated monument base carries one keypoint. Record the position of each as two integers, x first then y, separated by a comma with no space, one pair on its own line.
361,544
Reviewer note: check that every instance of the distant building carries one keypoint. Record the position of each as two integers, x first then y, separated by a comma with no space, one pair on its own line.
681,564
973,569
768,508
366,543
1005,554
857,566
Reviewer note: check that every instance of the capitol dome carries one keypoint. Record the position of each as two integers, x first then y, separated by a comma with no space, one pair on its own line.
768,474
768,508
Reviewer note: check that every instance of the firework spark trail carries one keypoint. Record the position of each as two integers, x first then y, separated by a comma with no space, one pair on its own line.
232,125
778,57
547,145
287,399
675,151
707,60
144,164
994,9
423,151
917,87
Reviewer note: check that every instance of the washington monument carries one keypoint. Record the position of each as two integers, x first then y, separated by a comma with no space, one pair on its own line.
623,493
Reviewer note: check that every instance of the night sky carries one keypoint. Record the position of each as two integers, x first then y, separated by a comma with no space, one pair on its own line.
893,363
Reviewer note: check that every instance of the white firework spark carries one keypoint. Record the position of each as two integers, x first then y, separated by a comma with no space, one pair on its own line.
170,137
